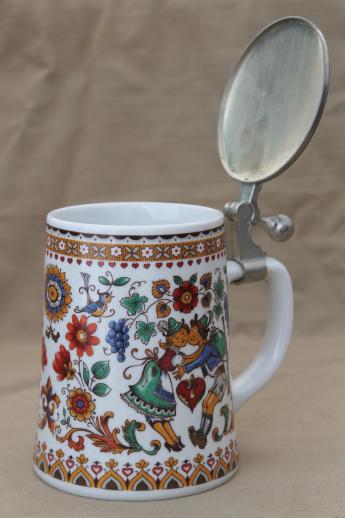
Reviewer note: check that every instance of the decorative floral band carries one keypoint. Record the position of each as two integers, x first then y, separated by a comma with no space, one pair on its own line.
135,252
139,476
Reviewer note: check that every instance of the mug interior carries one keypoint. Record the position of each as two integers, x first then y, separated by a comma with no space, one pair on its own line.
135,218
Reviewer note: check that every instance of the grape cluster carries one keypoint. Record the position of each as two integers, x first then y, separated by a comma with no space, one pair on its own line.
118,338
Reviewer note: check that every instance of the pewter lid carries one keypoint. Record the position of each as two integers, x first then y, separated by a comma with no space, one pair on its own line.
273,103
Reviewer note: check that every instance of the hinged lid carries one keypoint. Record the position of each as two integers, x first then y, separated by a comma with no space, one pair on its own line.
269,112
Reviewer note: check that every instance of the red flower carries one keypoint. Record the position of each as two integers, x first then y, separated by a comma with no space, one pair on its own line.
44,360
185,297
62,364
80,335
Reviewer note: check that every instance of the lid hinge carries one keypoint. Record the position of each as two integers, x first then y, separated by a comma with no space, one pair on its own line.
243,216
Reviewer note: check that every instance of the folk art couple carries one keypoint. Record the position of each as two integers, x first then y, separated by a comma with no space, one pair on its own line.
153,395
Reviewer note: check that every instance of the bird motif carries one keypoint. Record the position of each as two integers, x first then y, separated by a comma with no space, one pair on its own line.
96,308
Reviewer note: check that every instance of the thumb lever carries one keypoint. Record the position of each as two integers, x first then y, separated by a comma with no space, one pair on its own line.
279,228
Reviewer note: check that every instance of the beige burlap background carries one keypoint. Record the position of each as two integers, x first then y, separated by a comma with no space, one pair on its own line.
118,100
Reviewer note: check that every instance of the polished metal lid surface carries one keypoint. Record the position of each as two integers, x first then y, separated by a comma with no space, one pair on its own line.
273,103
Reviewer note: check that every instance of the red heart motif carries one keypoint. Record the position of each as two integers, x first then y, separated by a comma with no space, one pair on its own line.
124,265
157,470
135,265
79,261
210,462
50,457
70,260
159,265
198,261
100,263
213,257
56,256
207,259
191,391
89,263
186,467
62,258
218,256
112,265
51,255
147,265
180,264
127,471
96,468
69,463
190,262
169,265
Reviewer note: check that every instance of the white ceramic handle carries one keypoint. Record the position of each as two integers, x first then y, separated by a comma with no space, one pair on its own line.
278,331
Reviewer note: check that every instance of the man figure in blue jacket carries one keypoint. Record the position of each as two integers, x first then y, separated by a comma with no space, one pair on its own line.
211,363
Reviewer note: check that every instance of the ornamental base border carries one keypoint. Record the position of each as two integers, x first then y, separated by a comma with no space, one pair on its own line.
140,477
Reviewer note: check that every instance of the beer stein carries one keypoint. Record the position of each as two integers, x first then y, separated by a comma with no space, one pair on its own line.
136,398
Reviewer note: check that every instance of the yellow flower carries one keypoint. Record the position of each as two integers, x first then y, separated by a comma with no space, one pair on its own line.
80,404
160,288
57,293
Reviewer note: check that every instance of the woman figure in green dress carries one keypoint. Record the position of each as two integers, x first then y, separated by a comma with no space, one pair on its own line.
153,394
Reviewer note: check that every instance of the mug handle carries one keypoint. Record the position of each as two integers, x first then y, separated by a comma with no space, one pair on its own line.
277,335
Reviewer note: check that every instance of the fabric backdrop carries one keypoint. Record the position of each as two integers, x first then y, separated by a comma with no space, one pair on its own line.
106,100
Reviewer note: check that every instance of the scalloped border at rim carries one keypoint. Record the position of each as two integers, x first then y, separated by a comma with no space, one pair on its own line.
136,237
213,219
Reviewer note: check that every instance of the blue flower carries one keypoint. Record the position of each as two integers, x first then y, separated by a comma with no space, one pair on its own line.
57,293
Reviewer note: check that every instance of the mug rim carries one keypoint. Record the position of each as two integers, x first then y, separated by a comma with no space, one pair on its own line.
184,218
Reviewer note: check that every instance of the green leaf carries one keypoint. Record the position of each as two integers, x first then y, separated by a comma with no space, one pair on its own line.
145,331
129,432
64,411
218,287
101,389
193,278
217,310
68,420
104,281
121,281
178,280
100,370
86,374
134,304
63,422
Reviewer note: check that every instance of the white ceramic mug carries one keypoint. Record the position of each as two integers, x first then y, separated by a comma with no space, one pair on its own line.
136,399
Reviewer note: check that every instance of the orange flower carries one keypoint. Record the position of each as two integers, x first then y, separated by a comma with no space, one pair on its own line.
160,288
80,404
